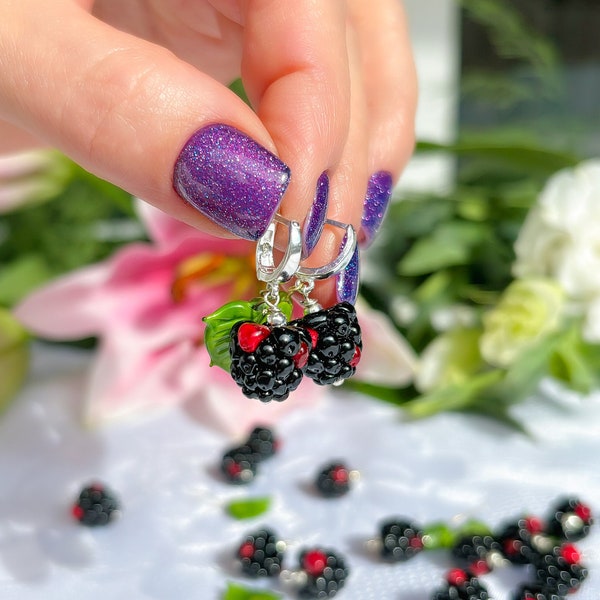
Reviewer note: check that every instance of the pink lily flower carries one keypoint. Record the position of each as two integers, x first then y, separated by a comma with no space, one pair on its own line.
146,304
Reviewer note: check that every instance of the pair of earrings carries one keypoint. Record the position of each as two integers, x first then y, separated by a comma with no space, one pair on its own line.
268,355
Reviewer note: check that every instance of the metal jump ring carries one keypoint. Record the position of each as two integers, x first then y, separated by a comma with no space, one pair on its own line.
265,262
340,262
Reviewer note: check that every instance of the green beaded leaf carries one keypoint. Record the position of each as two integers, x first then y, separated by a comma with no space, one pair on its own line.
248,508
218,330
235,591
438,535
220,323
473,527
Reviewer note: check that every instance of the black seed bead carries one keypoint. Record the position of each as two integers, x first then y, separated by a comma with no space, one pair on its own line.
555,573
473,548
261,554
262,443
400,540
472,589
532,591
330,481
339,338
269,373
239,465
566,523
329,583
96,506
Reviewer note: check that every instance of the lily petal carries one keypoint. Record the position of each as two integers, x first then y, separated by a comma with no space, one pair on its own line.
64,309
387,358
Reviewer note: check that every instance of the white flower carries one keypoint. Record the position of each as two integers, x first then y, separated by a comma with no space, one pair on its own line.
451,358
561,235
527,312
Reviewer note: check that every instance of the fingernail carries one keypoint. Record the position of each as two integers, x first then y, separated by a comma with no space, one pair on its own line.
347,281
379,192
315,219
231,179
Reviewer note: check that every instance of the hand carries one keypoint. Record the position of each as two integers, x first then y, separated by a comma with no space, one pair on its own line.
120,87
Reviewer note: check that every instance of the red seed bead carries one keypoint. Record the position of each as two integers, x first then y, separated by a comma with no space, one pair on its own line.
250,335
301,357
314,336
356,358
246,550
534,525
77,512
456,577
570,553
583,512
314,562
340,474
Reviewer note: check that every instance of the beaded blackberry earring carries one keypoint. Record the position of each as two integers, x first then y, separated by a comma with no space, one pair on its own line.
335,332
268,356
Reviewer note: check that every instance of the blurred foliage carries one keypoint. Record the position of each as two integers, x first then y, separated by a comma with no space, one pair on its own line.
440,250
86,221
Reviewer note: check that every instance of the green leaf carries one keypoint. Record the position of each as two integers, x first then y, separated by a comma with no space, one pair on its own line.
218,330
438,535
575,362
248,508
220,323
448,245
21,276
237,87
14,357
473,527
235,591
525,157
453,397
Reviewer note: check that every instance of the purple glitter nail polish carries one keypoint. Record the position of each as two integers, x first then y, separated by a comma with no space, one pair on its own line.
379,192
231,179
347,281
315,219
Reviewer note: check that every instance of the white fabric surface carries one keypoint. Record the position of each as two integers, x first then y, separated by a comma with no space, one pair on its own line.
174,540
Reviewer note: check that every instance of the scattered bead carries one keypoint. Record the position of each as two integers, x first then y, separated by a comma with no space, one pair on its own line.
239,465
261,554
461,585
335,480
570,519
326,573
96,506
400,540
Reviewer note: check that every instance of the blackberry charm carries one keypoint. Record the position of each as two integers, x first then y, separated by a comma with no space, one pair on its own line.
335,332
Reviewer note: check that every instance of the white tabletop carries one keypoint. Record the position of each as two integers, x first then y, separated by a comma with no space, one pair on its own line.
174,540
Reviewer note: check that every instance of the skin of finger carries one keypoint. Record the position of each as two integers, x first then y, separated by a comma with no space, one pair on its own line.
119,106
205,34
390,81
13,139
295,71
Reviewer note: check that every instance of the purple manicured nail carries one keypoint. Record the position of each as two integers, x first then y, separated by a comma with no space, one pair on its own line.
379,192
231,179
347,281
315,219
